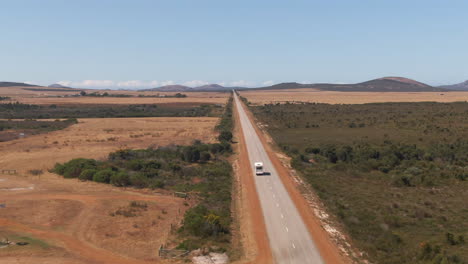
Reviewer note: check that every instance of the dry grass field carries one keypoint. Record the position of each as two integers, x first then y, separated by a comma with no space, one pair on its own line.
68,221
27,96
329,97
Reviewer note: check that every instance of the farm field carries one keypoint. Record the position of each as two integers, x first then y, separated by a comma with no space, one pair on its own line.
66,220
328,97
392,175
28,95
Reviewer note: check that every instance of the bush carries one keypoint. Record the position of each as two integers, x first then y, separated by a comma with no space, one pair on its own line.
103,176
73,168
139,180
225,136
120,179
87,174
205,156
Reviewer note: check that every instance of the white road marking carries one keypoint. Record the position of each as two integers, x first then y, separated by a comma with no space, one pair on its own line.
282,216
287,230
294,246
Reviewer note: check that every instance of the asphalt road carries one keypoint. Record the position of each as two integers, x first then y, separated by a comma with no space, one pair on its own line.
289,238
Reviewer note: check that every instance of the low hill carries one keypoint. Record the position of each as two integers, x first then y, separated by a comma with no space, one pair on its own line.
386,84
56,85
17,84
459,86
170,88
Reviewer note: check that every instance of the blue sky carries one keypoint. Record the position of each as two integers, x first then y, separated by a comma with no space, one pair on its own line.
130,44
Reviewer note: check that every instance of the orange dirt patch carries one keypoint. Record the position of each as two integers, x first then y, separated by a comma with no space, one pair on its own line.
328,97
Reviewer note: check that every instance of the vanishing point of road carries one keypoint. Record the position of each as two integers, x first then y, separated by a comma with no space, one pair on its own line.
289,238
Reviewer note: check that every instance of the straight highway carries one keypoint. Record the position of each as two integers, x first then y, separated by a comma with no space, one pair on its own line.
289,238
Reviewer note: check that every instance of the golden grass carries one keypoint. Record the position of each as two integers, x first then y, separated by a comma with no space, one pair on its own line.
311,95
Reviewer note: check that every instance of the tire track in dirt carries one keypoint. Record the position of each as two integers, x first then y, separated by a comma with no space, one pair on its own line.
75,243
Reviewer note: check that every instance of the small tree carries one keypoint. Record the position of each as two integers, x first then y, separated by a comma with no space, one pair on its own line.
120,179
103,176
225,136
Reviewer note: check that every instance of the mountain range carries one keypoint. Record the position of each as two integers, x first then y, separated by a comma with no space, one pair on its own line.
386,84
15,84
459,86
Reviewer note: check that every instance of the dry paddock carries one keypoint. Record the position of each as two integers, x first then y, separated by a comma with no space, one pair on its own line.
68,221
328,97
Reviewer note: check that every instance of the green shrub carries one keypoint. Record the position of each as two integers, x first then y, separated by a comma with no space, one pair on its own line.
74,167
139,180
87,174
103,176
225,136
120,179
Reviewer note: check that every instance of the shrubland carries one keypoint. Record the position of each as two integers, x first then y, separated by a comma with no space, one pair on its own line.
29,111
394,175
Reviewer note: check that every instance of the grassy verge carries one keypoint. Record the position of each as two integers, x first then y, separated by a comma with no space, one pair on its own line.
394,174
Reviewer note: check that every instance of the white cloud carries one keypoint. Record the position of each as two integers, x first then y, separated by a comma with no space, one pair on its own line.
65,83
167,83
100,84
195,83
241,83
139,84
268,83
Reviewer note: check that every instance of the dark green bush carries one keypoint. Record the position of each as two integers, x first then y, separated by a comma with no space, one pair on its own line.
120,179
87,174
103,176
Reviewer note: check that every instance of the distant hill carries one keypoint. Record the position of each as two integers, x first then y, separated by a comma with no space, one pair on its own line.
170,88
386,84
56,85
459,86
182,88
15,84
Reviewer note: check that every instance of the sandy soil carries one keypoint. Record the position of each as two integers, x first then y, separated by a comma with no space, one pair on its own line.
51,97
78,220
311,95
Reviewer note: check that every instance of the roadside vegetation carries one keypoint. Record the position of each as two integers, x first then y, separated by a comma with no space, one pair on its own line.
106,94
200,169
394,174
29,111
4,98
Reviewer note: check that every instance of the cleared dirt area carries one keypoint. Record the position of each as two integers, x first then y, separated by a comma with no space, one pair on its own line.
68,221
28,95
311,95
